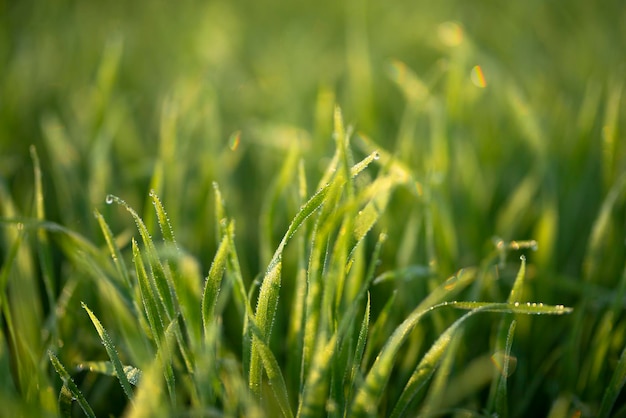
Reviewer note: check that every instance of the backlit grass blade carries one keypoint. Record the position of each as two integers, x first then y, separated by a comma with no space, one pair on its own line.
112,352
155,315
164,287
268,293
379,192
370,393
378,330
116,255
186,290
430,360
213,284
438,390
272,369
163,220
69,383
153,310
426,367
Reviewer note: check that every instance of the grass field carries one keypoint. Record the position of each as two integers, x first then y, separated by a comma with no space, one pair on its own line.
354,208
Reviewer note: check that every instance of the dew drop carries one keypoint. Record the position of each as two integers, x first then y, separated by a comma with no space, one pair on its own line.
109,199
152,193
522,257
516,304
376,155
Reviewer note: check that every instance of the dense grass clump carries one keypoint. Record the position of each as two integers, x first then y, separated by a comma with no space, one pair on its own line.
332,209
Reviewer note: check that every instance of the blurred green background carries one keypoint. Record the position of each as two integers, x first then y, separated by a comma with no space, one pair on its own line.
118,97
106,78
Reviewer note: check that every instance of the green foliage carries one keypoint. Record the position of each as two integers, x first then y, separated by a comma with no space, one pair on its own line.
353,262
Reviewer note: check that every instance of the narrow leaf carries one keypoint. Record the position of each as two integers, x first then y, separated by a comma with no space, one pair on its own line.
213,283
110,348
70,385
501,393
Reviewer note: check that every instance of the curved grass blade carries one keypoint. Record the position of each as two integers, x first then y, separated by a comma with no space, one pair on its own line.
213,283
165,285
165,289
163,220
68,382
370,394
437,393
110,348
272,369
427,365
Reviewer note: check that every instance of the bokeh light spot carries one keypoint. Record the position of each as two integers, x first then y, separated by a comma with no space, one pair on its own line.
478,77
450,33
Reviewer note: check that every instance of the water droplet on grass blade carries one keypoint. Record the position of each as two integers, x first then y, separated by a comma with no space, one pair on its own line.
376,155
109,199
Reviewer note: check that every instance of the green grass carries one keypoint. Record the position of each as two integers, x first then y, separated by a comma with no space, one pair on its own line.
328,209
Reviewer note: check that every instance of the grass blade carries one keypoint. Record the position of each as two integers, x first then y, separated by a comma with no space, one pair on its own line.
70,385
272,369
370,393
112,352
314,393
501,393
116,254
164,287
213,283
